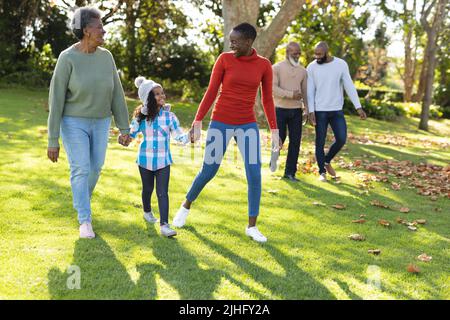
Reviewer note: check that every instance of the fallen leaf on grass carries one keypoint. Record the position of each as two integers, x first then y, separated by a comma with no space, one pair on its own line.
420,221
400,220
395,186
412,228
374,251
377,203
318,203
339,206
362,215
424,257
359,221
356,237
413,269
272,191
384,223
404,209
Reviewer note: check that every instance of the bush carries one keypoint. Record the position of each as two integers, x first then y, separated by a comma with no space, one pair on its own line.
379,93
377,109
36,73
413,109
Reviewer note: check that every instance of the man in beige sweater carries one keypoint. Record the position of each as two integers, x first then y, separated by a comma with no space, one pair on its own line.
290,92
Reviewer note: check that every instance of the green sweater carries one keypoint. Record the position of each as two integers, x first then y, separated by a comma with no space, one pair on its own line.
85,85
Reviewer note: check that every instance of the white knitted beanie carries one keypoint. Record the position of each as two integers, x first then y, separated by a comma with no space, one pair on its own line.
144,87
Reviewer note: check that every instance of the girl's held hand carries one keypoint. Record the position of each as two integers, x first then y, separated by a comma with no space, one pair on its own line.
53,154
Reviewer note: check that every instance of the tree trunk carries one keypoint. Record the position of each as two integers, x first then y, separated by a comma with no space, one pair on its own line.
131,18
409,72
433,31
235,12
269,37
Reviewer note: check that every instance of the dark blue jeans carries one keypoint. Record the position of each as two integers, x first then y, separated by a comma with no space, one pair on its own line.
336,120
290,119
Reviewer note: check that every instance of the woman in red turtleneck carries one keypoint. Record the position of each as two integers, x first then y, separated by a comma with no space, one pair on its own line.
238,74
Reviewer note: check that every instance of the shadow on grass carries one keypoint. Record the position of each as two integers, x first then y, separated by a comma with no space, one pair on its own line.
102,276
295,284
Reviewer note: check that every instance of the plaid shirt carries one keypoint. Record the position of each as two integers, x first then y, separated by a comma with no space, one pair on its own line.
154,150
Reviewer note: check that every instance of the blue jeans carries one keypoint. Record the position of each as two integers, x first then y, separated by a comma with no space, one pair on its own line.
218,136
85,141
337,122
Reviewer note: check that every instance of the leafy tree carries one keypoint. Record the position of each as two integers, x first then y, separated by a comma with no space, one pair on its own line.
336,23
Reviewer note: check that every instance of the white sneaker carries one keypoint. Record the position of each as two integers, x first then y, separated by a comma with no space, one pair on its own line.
180,217
167,231
254,233
149,217
323,177
86,231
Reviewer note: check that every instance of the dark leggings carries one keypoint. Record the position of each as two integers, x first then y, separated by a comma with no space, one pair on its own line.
162,187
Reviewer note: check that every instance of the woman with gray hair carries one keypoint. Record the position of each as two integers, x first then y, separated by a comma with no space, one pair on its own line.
85,91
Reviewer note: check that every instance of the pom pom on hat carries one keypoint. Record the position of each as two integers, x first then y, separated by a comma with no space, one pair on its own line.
138,81
144,87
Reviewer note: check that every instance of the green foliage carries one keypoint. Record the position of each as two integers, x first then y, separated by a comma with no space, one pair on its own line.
336,23
37,72
385,109
378,109
413,109
27,50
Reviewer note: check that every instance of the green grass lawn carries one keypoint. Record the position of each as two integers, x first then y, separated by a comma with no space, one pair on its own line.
308,255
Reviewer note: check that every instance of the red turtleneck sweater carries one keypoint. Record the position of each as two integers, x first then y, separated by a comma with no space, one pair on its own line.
240,78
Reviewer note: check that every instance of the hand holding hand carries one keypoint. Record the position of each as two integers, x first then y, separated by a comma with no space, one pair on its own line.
53,154
124,139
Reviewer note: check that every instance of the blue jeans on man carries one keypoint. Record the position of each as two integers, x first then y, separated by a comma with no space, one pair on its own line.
336,120
85,141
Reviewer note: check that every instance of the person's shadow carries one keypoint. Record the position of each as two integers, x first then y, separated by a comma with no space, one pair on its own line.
102,276
295,284
181,270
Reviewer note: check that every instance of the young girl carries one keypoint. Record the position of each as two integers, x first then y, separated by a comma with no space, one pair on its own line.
155,121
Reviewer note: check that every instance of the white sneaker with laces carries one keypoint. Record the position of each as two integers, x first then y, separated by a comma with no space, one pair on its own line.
323,177
149,217
180,217
254,233
167,231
